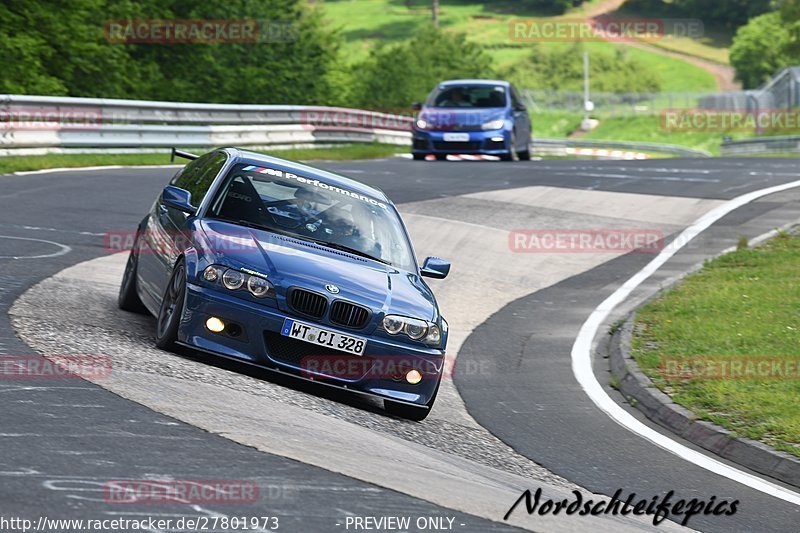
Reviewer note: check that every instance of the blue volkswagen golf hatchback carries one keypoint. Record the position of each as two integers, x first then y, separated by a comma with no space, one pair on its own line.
472,117
294,269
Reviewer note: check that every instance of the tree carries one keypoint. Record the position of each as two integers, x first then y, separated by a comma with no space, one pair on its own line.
562,69
760,48
394,76
59,48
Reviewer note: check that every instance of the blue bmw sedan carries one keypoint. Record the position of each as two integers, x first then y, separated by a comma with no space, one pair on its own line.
294,269
472,117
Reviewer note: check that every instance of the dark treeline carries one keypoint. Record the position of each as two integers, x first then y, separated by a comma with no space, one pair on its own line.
54,47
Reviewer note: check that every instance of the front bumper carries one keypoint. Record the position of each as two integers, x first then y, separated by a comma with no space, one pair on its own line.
493,142
379,371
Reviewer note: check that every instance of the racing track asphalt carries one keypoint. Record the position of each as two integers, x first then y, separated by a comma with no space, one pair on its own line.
540,413
62,440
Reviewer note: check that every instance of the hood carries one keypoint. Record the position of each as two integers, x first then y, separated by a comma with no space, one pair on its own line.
289,262
455,119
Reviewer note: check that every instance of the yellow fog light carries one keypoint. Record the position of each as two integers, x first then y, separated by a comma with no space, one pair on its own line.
215,324
413,377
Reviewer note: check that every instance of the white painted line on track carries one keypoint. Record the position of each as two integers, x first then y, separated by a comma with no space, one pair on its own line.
64,249
582,356
80,169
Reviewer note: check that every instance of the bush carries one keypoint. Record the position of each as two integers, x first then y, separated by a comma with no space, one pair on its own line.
562,69
760,48
394,76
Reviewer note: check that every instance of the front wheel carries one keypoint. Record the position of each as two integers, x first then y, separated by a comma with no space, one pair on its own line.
511,155
417,413
169,316
128,299
419,157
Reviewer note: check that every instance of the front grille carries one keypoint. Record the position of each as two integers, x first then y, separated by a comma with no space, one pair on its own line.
311,357
457,125
349,315
453,146
307,303
420,144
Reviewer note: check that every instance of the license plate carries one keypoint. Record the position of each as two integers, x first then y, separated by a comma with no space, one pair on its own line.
456,137
323,337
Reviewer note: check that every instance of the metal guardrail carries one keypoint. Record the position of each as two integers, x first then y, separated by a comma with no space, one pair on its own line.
32,125
762,145
92,124
116,111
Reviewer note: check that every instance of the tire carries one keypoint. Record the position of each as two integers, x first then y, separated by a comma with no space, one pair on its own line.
128,299
441,157
525,155
419,157
511,155
411,412
169,316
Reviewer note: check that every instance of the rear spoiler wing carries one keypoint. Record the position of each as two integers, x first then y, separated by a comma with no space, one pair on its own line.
181,153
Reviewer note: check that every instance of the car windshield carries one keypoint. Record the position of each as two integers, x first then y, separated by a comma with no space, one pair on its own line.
311,209
479,96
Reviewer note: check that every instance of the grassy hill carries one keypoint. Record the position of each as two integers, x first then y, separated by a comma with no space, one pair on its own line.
366,23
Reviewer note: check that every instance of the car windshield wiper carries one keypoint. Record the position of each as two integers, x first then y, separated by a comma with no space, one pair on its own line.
349,250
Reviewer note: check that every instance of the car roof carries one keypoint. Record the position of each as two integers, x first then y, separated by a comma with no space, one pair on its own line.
475,82
254,158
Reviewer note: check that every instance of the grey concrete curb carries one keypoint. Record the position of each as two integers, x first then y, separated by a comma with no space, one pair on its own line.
658,407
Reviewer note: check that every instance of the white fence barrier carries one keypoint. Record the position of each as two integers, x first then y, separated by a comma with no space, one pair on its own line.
762,145
41,124
34,125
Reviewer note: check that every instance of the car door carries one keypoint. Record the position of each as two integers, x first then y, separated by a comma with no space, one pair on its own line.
522,120
167,231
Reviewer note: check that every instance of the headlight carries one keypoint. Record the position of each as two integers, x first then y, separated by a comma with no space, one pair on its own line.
413,328
393,324
434,336
493,124
232,279
211,274
259,287
422,123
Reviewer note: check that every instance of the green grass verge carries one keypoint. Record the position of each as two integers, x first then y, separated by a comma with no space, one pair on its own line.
367,23
344,152
555,124
649,128
744,304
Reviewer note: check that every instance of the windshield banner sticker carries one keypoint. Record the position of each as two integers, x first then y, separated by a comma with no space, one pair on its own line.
314,182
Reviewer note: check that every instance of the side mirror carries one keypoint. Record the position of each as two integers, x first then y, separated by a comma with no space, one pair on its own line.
179,199
436,268
416,106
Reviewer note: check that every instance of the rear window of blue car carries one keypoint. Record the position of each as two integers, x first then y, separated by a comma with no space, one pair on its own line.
475,96
309,208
